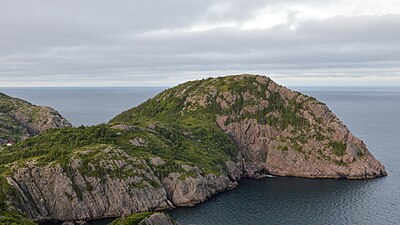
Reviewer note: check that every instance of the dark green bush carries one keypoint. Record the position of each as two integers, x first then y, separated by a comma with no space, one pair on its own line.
338,147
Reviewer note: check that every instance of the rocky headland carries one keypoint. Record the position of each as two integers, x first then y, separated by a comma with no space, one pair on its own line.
20,119
180,148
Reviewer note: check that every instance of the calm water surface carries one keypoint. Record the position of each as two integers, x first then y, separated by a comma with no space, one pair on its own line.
87,106
373,114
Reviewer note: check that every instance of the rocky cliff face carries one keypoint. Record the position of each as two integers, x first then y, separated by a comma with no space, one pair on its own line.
113,185
276,130
158,219
129,186
179,149
20,119
319,145
145,219
193,190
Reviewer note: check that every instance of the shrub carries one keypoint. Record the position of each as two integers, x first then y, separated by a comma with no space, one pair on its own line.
134,219
338,147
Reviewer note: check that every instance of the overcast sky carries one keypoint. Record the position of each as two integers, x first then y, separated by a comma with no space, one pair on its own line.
163,43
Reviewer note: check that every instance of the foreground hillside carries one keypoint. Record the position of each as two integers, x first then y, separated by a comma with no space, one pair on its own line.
178,149
20,119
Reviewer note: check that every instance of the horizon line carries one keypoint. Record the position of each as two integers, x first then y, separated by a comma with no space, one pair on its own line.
167,86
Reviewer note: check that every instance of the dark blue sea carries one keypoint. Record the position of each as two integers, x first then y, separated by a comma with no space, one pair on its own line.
371,113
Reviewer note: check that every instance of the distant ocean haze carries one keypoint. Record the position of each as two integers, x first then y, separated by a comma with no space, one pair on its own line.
86,105
371,113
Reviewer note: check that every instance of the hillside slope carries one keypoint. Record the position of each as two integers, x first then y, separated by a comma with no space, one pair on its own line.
178,149
279,131
20,119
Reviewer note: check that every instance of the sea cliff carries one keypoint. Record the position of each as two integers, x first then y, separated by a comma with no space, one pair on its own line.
180,148
20,119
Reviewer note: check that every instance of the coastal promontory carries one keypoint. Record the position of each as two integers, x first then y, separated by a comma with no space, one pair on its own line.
20,119
179,148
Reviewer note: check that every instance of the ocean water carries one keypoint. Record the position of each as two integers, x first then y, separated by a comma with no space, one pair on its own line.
86,106
371,113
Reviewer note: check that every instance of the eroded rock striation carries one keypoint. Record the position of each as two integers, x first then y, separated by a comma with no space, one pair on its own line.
127,186
20,119
299,137
180,148
48,190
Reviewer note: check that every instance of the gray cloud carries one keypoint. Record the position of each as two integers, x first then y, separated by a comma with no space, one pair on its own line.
153,42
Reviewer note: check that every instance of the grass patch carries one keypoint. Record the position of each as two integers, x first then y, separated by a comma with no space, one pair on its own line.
134,219
338,147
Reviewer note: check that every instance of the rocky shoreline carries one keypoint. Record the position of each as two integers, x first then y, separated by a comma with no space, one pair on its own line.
180,148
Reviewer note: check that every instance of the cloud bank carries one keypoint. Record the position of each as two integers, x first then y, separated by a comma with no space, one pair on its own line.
154,42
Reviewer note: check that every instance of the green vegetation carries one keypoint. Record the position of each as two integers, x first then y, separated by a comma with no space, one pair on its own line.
207,150
338,147
339,163
173,106
8,216
14,218
134,219
283,148
20,119
178,125
290,114
10,129
360,152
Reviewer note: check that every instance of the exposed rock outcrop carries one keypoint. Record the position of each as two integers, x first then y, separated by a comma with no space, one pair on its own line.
20,119
182,147
130,186
322,147
158,219
145,219
193,190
